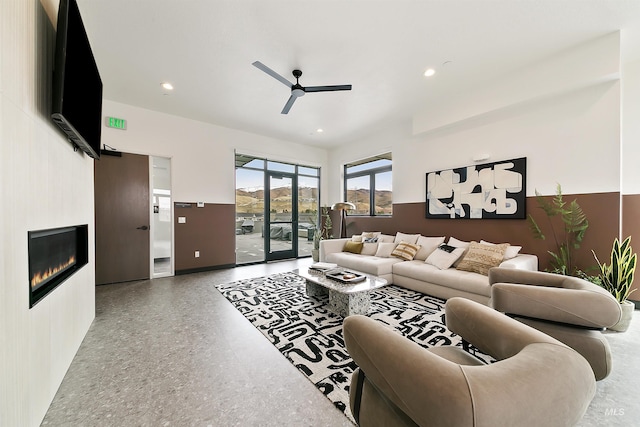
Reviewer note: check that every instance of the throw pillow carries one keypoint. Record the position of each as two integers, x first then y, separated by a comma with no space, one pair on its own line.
370,234
458,244
386,238
370,240
512,251
427,245
356,238
480,258
444,256
405,251
353,247
385,249
409,238
369,249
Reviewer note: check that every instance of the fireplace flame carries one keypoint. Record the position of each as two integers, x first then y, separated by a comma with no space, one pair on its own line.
40,277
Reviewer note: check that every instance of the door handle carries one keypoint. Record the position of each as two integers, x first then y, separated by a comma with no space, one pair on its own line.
143,227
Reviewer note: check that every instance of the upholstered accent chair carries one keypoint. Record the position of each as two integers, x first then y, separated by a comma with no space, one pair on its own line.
572,310
536,380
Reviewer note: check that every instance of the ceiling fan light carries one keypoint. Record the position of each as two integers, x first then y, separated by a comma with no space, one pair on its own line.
297,92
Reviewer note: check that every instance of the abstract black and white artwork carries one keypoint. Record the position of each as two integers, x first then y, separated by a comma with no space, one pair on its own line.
490,190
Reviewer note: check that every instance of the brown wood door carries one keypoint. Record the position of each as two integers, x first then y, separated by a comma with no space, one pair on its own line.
122,218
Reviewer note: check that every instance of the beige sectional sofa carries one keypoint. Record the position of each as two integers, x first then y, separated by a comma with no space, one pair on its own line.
424,273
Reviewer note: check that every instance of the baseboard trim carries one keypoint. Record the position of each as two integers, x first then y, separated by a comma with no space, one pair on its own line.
202,269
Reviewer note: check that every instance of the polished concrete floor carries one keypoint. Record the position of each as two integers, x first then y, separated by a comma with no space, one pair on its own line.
174,352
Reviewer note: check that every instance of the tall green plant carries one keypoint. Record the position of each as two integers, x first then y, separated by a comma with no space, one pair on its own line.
575,224
617,277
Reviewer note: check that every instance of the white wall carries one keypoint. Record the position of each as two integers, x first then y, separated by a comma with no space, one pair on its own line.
631,128
571,135
202,154
44,184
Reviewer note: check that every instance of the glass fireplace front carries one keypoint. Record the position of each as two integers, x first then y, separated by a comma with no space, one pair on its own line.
54,255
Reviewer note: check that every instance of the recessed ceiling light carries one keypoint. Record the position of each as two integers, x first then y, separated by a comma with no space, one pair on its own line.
319,130
167,86
429,72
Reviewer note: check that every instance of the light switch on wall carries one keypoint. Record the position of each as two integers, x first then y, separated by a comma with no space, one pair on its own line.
197,254
182,220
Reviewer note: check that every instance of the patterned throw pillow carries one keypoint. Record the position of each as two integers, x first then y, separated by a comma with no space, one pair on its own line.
480,258
370,234
512,251
405,251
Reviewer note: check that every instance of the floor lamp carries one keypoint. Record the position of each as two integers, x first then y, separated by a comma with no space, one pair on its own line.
343,207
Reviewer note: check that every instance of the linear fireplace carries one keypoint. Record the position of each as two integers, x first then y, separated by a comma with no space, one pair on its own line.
54,256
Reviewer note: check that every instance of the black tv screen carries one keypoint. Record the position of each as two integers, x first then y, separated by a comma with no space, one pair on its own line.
77,87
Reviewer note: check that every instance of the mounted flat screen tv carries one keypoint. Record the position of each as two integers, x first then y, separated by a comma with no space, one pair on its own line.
77,87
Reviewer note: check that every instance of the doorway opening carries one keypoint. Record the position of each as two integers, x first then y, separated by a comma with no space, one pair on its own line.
276,209
161,217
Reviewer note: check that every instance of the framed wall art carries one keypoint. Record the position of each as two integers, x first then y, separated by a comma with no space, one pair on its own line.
491,190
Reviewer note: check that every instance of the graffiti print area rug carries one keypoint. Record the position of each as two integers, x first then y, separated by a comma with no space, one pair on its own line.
310,336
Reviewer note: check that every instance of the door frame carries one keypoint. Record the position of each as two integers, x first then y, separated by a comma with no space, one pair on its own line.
172,260
293,252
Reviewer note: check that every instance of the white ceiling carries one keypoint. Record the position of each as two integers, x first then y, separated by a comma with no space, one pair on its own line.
205,49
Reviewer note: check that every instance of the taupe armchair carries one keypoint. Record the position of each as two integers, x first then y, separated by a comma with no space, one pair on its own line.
536,381
572,310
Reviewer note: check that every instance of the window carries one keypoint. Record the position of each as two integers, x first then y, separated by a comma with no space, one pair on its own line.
367,185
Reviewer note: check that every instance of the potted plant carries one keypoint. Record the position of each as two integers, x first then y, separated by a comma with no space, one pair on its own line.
575,225
617,278
321,232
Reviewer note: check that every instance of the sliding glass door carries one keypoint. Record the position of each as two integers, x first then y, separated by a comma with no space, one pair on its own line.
282,221
276,209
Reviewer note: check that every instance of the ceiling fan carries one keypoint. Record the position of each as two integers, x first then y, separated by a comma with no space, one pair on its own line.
297,90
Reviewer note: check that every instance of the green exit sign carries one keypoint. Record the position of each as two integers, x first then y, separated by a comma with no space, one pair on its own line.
114,122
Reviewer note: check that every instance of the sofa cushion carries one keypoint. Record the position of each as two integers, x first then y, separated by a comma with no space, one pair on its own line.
458,244
427,245
405,251
444,256
353,247
409,238
465,281
369,248
365,263
481,257
386,238
385,249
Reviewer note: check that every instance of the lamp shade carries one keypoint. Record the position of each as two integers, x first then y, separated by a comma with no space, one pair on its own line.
343,206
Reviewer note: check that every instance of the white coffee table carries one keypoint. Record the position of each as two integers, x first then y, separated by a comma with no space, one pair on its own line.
345,299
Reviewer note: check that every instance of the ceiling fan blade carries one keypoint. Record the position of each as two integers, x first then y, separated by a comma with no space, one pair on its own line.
326,88
272,73
288,105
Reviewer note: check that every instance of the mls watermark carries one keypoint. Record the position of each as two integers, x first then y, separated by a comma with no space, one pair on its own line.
614,412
